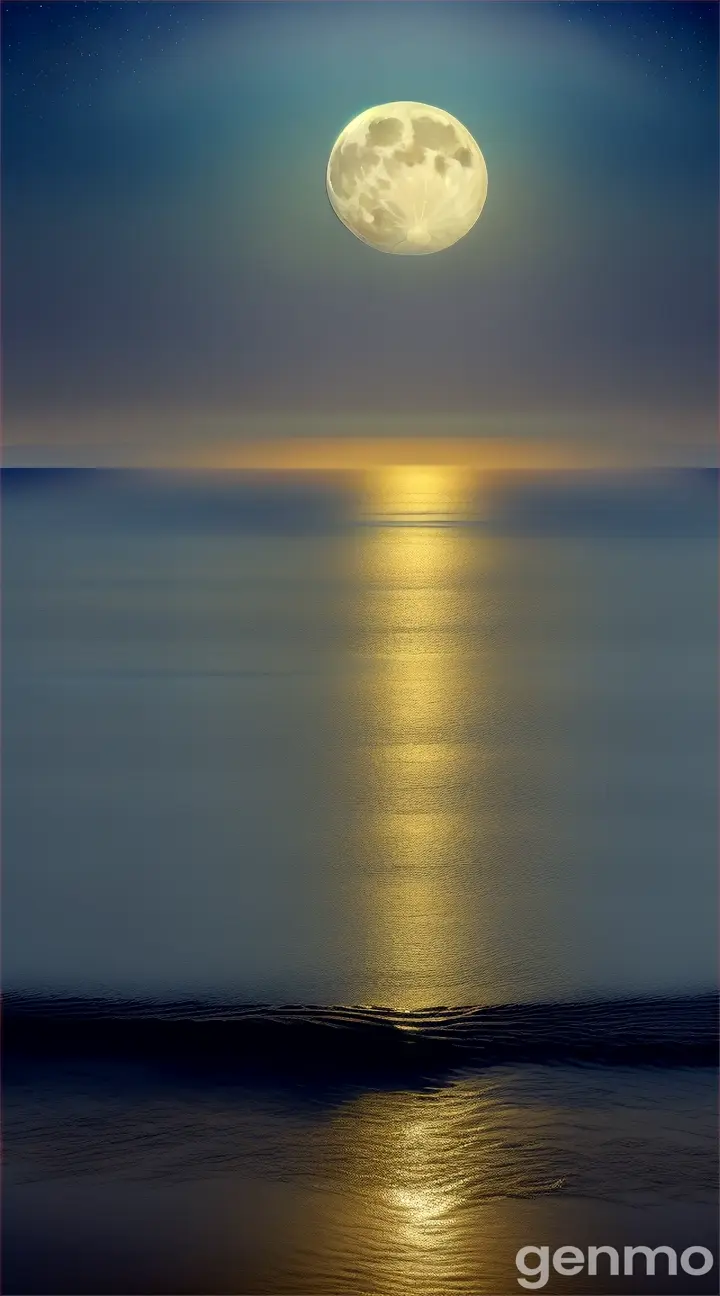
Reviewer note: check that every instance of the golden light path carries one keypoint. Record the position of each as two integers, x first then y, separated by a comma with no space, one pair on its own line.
414,823
412,830
425,1173
424,1192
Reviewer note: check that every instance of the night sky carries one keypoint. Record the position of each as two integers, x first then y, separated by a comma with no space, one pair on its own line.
171,261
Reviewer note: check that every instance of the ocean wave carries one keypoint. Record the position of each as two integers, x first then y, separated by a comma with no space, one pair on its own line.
680,1031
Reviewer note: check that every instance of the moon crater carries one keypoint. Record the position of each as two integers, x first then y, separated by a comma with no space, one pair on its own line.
407,178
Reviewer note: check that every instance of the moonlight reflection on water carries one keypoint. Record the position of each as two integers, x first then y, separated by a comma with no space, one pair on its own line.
419,760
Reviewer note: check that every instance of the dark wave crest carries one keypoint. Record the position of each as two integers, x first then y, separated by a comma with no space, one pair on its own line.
366,1040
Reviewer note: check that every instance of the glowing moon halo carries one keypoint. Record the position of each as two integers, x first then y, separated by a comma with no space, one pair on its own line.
407,178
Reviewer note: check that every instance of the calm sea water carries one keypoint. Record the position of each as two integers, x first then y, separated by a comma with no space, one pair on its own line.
423,745
250,749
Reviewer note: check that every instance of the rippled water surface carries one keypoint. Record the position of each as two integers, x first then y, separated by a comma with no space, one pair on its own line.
122,1181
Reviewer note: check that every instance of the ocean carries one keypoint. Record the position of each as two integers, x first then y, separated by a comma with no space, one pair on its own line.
360,888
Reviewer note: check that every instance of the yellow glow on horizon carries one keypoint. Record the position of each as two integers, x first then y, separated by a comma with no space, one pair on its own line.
407,464
415,493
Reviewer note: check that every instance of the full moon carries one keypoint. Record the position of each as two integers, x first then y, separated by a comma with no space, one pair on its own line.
407,178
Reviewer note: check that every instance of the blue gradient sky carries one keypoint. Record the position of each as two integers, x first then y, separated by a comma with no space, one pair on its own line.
170,257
